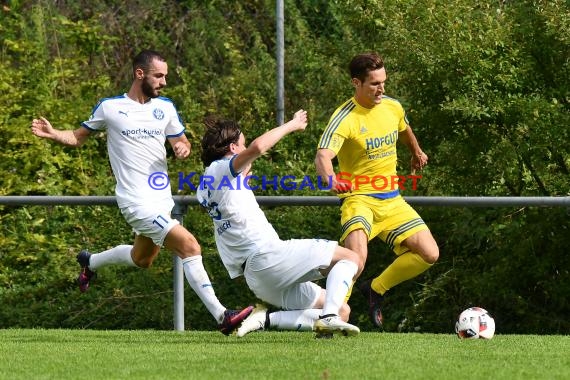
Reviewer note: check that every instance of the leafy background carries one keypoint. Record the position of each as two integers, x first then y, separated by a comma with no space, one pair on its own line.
486,88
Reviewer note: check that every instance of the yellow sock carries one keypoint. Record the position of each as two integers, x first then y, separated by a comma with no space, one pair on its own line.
405,267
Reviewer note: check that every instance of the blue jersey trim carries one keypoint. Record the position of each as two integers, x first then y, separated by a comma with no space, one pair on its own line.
388,195
176,135
232,171
86,127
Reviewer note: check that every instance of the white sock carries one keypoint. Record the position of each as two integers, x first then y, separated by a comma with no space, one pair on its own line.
338,283
300,320
200,282
119,255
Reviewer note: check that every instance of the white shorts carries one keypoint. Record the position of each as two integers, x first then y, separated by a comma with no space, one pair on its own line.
282,276
151,221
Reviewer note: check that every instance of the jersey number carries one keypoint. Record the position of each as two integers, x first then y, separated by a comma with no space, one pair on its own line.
158,221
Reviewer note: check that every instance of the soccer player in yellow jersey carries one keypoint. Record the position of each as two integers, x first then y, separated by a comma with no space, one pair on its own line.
362,133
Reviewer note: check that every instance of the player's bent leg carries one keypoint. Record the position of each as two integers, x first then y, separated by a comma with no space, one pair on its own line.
118,255
91,262
406,266
423,243
144,251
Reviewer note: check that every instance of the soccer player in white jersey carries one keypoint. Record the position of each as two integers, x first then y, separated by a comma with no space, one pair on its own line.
278,272
138,124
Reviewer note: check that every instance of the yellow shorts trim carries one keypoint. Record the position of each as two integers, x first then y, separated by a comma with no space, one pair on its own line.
392,220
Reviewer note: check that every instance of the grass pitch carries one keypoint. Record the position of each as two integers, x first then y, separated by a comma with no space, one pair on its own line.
90,354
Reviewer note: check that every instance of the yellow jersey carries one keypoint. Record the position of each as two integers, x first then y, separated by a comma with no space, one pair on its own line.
364,140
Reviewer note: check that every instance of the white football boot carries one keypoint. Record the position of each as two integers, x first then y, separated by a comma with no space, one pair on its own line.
255,321
334,325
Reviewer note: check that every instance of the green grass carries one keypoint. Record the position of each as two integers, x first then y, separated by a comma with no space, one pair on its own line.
90,354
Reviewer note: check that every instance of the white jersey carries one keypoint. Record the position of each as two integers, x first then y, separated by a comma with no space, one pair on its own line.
136,134
240,226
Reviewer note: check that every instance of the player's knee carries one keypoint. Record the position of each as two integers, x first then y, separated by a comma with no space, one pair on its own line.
355,258
431,255
190,247
143,262
194,247
144,257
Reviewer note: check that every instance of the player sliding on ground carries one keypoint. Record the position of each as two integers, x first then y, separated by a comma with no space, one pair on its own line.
278,272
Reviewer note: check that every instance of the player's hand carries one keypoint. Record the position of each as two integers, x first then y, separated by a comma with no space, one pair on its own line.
300,120
181,150
418,162
42,128
340,187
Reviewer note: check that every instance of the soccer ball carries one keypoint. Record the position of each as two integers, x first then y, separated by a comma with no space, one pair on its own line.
475,323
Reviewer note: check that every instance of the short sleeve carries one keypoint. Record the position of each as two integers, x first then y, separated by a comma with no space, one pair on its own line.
96,121
175,125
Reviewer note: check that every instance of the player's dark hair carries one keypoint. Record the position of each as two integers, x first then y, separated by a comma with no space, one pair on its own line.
217,138
143,59
363,63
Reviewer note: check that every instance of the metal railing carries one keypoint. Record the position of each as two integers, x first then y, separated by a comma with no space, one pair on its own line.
183,201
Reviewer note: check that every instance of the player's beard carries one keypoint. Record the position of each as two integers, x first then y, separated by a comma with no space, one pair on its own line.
148,90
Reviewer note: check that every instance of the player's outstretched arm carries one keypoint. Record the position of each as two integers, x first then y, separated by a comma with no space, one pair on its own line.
267,140
42,128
